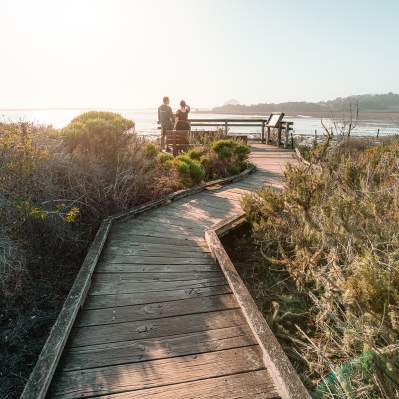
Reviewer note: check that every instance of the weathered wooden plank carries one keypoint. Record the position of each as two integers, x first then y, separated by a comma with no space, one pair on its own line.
160,238
192,212
249,385
213,203
156,348
93,335
114,300
185,227
156,310
141,242
164,220
231,196
158,225
156,373
160,221
133,268
153,248
157,260
102,287
150,277
239,191
146,252
40,378
176,216
229,224
213,206
157,232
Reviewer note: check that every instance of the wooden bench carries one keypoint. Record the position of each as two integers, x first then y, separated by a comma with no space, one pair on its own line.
177,141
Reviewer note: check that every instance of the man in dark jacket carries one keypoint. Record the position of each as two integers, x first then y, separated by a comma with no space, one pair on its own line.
165,118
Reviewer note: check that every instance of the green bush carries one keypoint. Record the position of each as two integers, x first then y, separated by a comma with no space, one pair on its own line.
225,157
104,135
196,153
163,157
190,171
151,151
224,148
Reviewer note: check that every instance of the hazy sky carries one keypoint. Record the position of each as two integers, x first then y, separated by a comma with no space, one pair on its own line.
129,53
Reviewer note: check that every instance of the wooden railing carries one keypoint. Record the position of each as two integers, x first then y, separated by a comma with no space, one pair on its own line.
282,130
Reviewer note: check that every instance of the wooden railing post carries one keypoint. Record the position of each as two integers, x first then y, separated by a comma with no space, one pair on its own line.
268,135
263,133
286,136
226,127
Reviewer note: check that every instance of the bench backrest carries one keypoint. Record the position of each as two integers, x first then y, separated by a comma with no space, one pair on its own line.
177,140
177,137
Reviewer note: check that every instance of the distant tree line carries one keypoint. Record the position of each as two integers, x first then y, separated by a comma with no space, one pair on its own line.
367,103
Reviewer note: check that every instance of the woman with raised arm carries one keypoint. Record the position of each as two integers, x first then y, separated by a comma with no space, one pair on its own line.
182,122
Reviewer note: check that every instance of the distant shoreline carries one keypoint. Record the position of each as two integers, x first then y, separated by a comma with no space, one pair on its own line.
363,116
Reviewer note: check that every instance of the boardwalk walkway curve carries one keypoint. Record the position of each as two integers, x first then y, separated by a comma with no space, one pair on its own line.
160,320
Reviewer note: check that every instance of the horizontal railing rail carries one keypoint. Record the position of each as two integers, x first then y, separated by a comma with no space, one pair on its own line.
226,123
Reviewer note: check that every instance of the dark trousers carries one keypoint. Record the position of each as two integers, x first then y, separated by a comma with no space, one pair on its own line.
164,129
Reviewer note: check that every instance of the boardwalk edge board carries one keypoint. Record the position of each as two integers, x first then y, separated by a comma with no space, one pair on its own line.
42,374
40,378
286,380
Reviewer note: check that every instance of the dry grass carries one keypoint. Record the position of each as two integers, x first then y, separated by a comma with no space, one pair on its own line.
329,279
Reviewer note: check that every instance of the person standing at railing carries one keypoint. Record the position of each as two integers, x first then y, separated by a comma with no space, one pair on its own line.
165,119
182,122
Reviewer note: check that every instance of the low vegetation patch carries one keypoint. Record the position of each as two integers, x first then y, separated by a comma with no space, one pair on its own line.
214,160
55,188
324,268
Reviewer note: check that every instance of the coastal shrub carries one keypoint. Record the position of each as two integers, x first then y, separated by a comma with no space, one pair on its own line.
196,153
104,135
163,157
224,148
224,158
151,150
330,238
216,159
190,171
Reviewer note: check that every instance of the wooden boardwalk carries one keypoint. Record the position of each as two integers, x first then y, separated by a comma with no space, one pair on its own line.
160,320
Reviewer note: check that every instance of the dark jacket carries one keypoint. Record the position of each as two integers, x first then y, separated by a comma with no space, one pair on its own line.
165,117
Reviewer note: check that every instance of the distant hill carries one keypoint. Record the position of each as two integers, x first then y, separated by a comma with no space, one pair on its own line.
367,103
232,101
